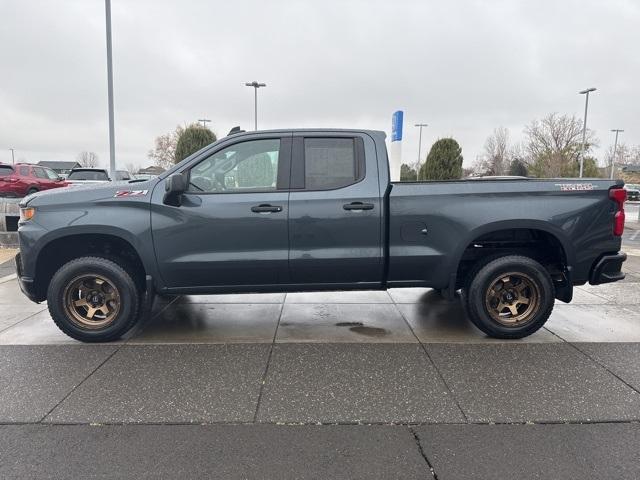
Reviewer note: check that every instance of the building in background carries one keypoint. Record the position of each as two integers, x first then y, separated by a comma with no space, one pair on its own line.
152,170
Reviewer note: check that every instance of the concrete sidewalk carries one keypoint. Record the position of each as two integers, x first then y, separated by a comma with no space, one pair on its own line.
325,385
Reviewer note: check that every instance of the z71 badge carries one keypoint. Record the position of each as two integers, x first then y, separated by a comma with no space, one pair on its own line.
131,193
568,187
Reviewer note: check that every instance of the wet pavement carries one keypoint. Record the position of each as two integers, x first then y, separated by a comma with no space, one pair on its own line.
391,384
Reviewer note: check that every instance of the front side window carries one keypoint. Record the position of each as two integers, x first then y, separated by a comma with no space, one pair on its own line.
329,163
250,166
39,172
51,175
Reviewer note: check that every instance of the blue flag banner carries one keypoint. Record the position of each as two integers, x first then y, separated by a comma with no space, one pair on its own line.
396,126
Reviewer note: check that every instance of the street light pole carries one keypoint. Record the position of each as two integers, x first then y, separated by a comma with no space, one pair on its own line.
204,121
112,141
584,126
420,143
615,150
13,158
255,86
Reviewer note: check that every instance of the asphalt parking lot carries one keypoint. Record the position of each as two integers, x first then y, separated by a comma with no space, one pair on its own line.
391,384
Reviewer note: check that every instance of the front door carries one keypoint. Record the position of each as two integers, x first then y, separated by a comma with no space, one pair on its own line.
231,226
335,212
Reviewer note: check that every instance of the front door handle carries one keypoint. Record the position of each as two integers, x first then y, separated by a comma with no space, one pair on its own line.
265,208
358,206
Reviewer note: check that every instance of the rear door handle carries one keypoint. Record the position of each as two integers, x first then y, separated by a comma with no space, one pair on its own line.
358,206
265,208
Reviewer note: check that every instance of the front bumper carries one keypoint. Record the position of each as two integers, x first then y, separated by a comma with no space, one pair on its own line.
608,269
27,284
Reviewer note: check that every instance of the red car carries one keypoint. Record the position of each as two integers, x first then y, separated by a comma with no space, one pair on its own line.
24,179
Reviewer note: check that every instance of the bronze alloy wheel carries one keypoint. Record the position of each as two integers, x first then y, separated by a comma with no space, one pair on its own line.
91,301
512,299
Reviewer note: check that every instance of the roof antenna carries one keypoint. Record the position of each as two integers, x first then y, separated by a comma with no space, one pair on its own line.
235,130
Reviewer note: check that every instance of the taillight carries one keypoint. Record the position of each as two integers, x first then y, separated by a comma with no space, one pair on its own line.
618,195
9,179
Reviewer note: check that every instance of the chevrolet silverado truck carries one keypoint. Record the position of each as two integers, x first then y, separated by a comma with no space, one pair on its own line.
301,210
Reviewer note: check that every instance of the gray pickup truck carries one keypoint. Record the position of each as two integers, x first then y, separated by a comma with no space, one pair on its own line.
294,210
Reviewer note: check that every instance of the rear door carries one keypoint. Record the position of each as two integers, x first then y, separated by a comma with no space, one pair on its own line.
231,227
335,211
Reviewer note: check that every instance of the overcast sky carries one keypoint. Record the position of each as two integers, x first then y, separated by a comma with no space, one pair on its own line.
462,67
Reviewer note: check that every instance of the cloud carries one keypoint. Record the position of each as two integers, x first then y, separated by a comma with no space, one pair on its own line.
463,67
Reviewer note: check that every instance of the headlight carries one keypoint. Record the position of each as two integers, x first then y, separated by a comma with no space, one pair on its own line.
27,213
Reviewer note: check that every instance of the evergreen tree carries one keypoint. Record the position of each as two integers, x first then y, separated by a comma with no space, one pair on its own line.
444,161
518,168
407,173
192,139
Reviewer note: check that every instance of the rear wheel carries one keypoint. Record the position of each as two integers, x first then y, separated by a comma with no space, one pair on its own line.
32,190
93,299
509,297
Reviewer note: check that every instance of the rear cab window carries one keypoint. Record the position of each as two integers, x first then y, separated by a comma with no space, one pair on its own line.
6,170
88,175
328,163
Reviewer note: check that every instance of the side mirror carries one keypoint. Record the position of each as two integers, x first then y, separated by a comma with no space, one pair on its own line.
174,187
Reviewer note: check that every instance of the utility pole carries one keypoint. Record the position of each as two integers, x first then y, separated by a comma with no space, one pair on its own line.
204,121
255,86
13,157
112,141
584,126
420,144
615,150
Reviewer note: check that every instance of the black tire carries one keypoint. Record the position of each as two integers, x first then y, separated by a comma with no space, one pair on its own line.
485,292
31,190
61,310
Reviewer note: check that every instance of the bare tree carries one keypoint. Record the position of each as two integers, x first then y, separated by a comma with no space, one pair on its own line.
497,154
132,168
553,145
88,159
163,153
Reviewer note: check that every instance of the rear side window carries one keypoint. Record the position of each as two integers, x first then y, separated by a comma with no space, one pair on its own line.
331,163
5,170
24,171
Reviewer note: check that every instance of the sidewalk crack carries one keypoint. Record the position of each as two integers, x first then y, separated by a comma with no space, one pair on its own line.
266,368
426,352
422,452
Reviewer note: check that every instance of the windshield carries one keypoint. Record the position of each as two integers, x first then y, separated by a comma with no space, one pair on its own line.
5,170
88,175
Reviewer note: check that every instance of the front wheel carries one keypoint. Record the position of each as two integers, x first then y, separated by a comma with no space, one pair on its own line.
93,299
509,297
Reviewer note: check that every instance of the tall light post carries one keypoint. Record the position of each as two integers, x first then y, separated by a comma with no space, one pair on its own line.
255,86
112,141
615,150
584,126
13,158
204,121
420,144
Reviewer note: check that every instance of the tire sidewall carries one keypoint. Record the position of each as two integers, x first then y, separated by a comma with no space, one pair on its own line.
129,298
475,296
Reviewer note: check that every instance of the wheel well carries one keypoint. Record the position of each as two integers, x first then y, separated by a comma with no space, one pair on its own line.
61,250
537,244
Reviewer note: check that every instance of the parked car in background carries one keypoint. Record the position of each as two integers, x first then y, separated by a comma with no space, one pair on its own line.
633,192
144,176
122,175
81,176
24,179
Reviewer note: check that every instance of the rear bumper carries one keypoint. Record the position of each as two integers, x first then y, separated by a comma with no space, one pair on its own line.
27,284
608,269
